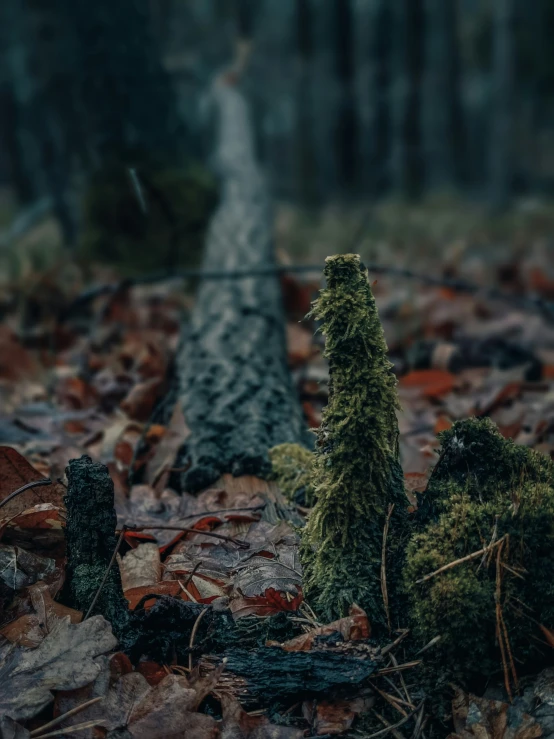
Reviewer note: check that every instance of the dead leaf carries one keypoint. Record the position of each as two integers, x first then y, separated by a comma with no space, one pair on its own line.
353,627
15,471
431,383
141,567
490,719
237,724
335,717
66,659
30,629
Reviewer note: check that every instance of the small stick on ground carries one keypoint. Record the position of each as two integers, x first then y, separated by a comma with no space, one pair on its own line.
23,488
384,589
460,561
241,544
109,567
193,633
400,723
64,716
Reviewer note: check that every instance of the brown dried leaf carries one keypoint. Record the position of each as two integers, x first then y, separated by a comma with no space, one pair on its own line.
66,659
490,719
237,724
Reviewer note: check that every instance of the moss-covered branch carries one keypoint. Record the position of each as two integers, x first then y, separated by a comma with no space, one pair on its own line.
357,470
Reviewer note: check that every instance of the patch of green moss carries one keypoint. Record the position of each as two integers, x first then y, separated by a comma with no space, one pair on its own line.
160,226
357,474
485,490
291,468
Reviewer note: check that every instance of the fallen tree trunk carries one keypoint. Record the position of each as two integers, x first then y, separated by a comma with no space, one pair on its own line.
235,387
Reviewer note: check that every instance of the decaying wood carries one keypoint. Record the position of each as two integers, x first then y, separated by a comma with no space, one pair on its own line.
91,543
235,387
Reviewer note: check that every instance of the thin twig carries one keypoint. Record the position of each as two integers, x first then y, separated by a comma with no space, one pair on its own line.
395,643
456,562
112,560
193,633
525,302
64,716
434,640
395,733
384,589
499,633
71,729
23,488
239,542
400,723
390,699
398,668
491,542
401,678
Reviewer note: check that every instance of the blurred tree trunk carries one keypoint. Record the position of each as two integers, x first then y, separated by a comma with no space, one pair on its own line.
407,44
347,121
503,99
305,154
119,81
442,114
21,97
380,88
245,18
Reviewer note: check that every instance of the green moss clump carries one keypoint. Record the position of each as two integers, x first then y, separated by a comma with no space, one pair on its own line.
292,470
170,231
485,489
357,474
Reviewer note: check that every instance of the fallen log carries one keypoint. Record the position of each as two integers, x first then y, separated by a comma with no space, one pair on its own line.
234,383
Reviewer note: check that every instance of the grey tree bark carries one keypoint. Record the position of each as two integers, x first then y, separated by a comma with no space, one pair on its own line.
235,388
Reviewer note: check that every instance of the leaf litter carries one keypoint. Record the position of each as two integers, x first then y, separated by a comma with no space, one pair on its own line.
104,393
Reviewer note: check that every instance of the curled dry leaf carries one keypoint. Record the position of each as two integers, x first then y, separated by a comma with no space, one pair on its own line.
141,567
66,659
490,719
353,627
167,709
237,724
15,471
10,729
335,717
31,628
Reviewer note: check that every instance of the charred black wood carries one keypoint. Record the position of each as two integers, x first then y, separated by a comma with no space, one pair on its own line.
91,542
235,387
274,673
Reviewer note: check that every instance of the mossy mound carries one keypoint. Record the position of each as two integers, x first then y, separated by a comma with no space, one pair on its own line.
357,475
155,220
487,493
291,468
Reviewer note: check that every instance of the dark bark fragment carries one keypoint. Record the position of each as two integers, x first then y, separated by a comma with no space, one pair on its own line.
273,673
91,541
235,387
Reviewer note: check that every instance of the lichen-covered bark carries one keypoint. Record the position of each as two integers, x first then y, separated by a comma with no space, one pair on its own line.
91,541
235,387
357,470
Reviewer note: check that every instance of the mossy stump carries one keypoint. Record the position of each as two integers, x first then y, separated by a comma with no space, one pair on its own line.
91,541
357,475
487,493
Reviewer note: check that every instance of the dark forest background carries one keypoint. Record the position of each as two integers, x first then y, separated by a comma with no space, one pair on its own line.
352,100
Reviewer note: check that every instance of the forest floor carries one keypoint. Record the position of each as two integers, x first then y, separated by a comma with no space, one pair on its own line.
88,377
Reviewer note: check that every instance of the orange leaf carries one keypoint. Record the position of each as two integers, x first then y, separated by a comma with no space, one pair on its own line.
432,382
443,423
